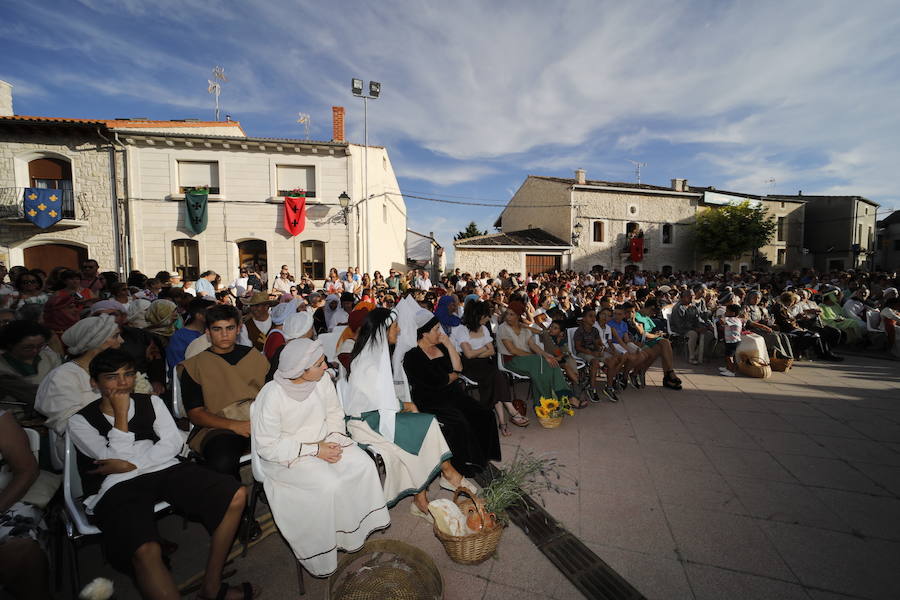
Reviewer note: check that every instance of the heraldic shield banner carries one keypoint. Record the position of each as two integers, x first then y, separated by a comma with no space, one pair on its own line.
43,206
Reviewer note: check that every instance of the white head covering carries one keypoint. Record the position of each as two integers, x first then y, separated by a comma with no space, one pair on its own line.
296,358
283,311
137,312
109,305
406,311
335,316
371,386
89,333
297,324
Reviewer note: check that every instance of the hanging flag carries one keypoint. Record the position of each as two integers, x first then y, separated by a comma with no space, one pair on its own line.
294,214
637,249
195,213
42,206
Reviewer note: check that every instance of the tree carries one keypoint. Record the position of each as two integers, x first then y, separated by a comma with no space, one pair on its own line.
470,231
727,232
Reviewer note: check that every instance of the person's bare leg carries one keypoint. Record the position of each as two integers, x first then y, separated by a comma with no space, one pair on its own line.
153,578
667,358
421,501
450,473
25,573
220,543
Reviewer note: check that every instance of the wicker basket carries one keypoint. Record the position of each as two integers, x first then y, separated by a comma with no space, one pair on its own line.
386,570
472,549
550,422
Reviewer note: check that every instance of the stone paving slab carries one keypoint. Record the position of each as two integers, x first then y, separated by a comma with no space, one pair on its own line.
786,488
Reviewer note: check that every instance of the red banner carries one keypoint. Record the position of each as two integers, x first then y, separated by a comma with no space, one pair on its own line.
294,214
637,249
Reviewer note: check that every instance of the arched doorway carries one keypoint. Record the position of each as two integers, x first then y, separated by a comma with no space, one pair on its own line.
253,253
56,174
49,256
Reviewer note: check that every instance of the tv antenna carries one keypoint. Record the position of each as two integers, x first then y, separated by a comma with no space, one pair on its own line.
771,183
215,87
303,118
637,168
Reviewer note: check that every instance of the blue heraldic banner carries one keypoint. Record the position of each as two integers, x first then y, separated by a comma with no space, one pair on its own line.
42,206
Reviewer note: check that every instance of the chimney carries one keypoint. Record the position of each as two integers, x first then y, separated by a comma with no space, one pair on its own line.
680,185
337,122
579,176
6,107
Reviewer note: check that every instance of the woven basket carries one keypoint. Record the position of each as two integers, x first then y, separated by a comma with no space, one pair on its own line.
550,422
472,549
386,570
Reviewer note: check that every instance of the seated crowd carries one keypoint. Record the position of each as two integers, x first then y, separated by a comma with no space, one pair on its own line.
298,377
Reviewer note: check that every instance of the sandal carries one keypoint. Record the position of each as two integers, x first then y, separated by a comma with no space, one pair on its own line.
504,429
418,512
247,590
519,421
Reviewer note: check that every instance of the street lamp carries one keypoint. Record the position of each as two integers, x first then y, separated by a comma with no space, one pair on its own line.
344,201
576,233
356,86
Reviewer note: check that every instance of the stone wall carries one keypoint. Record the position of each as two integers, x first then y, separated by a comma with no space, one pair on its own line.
90,163
475,260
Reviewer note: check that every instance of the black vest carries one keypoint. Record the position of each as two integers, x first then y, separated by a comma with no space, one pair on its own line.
141,425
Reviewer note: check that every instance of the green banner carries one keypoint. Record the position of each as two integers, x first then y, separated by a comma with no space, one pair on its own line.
195,213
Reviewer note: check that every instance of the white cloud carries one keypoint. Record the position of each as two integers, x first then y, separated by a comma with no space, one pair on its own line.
444,176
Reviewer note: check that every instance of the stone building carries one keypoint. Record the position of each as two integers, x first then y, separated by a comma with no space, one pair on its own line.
887,257
77,157
558,223
840,231
424,252
139,222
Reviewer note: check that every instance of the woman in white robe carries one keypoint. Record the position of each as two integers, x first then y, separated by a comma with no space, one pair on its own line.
410,443
324,491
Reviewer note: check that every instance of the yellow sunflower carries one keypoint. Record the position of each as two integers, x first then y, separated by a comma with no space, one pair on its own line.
552,404
540,411
544,401
571,413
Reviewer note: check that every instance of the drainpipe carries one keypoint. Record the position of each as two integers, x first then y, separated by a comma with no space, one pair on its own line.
126,239
115,204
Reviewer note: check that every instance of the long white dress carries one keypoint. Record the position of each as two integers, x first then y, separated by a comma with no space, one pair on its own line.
319,507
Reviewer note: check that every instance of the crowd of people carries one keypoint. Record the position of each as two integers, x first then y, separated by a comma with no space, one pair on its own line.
303,375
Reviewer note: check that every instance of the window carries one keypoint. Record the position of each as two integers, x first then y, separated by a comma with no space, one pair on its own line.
384,212
632,210
780,234
296,178
196,174
707,268
782,205
859,234
668,233
598,231
782,256
726,268
186,259
869,239
54,174
667,270
312,255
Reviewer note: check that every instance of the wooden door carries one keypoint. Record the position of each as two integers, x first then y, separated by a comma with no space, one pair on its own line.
49,256
542,263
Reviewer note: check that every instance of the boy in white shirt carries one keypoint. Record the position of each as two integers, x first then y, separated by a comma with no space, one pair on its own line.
733,325
127,446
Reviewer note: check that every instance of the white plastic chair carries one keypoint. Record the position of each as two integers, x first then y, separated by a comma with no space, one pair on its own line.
34,441
76,521
570,335
514,377
874,322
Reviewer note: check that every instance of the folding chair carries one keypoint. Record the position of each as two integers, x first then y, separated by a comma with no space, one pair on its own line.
76,523
676,338
514,378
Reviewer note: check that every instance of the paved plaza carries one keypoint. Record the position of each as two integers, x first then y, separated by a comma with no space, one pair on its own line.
786,488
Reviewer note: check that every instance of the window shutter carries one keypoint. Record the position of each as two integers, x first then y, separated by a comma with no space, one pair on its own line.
194,174
293,178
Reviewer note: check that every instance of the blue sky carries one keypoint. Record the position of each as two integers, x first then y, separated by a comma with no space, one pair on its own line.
477,95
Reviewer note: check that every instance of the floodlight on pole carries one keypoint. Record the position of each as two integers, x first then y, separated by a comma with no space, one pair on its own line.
356,86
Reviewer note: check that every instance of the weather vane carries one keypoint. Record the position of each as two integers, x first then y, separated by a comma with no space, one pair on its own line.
303,118
215,87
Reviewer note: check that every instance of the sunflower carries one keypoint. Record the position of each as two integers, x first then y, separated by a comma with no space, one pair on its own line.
545,401
541,412
571,412
552,404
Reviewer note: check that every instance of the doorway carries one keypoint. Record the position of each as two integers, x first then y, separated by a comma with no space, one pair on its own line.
253,254
542,263
47,257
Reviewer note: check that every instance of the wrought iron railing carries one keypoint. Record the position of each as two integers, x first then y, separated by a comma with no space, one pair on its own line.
12,199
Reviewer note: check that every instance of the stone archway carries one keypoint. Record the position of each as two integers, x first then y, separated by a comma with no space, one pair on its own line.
47,257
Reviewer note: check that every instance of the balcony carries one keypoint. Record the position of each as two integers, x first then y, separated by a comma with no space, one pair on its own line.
12,213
